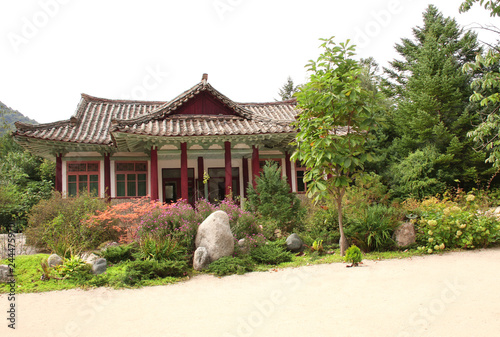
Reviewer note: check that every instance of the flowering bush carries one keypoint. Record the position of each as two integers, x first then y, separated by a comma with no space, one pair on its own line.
167,230
446,224
123,217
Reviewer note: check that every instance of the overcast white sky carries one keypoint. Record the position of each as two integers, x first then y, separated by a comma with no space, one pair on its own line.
54,50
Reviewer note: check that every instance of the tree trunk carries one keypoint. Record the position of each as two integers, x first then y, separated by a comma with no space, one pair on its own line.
343,240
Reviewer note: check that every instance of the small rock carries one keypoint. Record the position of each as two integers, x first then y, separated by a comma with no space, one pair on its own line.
99,266
405,235
89,258
244,247
294,243
54,260
5,274
201,259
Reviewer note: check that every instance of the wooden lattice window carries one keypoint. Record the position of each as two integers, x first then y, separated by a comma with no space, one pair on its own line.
131,179
83,176
300,183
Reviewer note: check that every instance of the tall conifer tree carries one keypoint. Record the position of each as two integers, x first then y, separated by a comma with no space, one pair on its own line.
432,110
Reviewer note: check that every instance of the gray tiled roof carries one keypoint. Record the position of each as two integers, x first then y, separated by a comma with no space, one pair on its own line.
97,118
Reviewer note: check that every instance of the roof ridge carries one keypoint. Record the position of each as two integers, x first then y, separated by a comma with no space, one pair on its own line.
125,101
21,125
291,101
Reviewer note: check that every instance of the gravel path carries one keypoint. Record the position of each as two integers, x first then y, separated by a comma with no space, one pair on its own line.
455,294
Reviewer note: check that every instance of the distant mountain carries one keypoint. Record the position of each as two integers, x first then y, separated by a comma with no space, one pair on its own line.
9,116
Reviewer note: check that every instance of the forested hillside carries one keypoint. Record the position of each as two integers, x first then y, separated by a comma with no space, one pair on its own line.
9,116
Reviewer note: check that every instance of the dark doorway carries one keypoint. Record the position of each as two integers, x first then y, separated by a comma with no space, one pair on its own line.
172,185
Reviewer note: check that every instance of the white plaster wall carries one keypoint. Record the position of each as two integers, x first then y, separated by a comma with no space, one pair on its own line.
112,181
64,177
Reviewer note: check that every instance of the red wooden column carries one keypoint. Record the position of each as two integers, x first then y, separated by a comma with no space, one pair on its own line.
201,168
154,173
184,172
107,176
58,183
228,167
245,176
255,164
288,169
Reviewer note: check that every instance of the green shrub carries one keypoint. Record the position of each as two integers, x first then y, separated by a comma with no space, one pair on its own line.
115,254
446,224
353,255
59,225
373,228
228,265
75,270
271,199
176,222
271,253
137,271
322,224
418,175
159,248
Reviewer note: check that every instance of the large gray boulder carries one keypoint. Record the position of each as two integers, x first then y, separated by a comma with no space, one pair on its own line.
294,243
99,266
54,260
215,235
405,235
5,274
201,260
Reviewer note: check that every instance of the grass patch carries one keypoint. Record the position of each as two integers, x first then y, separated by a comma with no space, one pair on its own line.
28,271
27,275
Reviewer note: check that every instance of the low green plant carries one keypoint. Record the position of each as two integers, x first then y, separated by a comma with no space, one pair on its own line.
373,228
156,248
273,252
322,223
317,246
447,224
353,255
228,265
115,254
46,271
75,270
137,271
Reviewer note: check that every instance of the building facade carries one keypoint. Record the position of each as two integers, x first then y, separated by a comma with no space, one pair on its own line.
200,144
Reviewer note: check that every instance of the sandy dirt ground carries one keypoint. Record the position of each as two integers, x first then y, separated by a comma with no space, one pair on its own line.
456,294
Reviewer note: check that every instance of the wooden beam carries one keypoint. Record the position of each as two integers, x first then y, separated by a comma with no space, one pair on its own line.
255,165
245,176
228,167
154,173
184,172
107,176
288,169
59,173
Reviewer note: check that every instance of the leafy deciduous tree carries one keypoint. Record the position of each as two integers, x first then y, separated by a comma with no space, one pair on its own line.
486,91
336,115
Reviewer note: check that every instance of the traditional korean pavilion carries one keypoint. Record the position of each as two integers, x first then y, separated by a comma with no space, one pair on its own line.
126,149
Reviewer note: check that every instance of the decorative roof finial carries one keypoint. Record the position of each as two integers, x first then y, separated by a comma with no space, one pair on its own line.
204,78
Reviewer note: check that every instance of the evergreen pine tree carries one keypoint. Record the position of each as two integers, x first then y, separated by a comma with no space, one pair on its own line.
288,89
432,109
